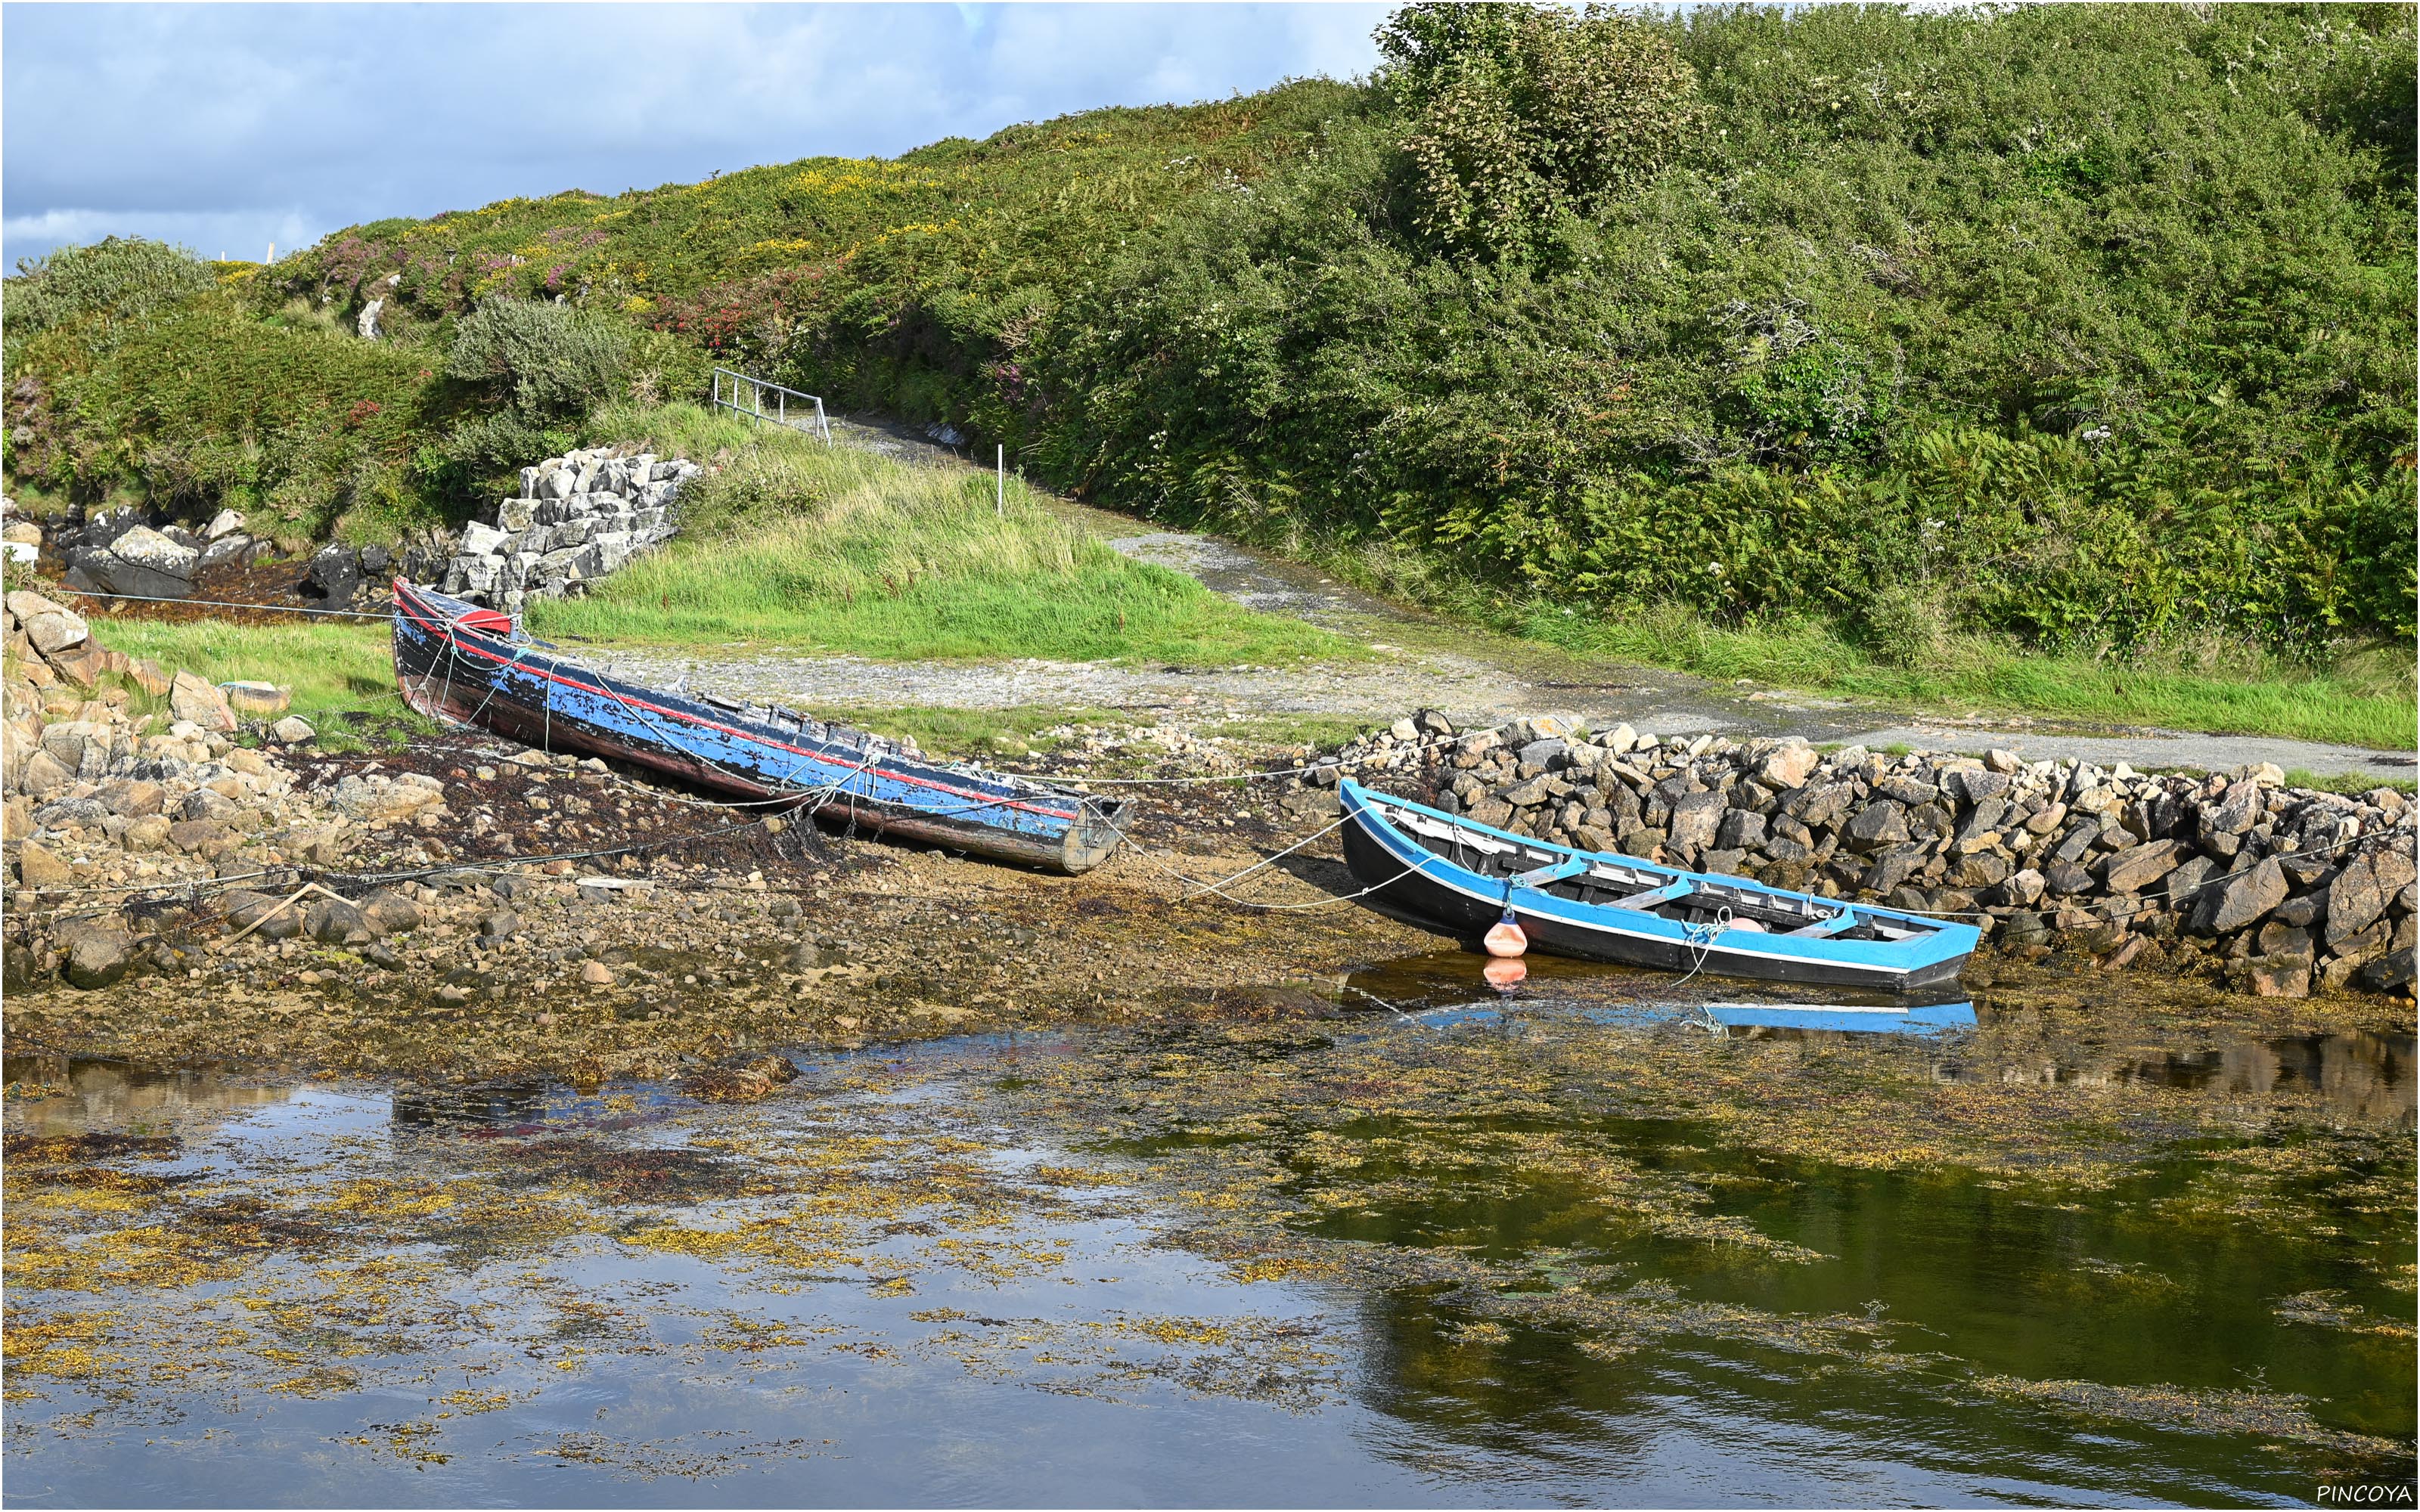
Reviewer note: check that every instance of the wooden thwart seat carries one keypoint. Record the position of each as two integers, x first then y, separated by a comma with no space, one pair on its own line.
1657,896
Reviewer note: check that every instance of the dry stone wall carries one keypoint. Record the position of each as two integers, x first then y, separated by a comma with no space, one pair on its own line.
576,519
2281,891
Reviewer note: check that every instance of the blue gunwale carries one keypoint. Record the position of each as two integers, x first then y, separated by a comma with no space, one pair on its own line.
1933,943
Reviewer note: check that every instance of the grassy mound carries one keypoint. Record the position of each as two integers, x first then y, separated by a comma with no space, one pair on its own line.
840,550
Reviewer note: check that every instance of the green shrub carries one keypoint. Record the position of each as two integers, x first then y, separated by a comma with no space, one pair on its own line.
202,405
1513,116
121,279
543,362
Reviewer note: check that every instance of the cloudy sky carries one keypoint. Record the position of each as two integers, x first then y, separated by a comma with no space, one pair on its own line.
226,127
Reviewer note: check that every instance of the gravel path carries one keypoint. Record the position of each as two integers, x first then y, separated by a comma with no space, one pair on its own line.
1420,660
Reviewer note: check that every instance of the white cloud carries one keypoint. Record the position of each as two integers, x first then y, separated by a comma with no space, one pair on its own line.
245,233
181,121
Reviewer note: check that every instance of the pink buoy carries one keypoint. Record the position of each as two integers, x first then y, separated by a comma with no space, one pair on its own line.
1506,939
1505,975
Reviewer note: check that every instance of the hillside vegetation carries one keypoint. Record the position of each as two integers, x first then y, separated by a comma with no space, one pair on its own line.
2080,329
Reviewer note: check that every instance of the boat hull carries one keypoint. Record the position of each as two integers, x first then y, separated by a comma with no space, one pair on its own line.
456,662
1410,878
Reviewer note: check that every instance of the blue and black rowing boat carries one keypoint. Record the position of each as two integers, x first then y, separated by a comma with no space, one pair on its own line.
1597,905
460,662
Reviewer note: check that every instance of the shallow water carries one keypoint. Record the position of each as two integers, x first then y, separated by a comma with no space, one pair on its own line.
1442,1248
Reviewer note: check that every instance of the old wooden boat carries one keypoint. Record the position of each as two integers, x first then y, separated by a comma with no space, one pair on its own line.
1605,906
457,661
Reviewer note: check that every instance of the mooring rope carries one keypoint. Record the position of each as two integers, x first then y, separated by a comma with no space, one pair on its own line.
223,603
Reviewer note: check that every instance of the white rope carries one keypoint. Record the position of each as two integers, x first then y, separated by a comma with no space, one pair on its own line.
1700,938
1267,861
223,603
1214,888
1426,744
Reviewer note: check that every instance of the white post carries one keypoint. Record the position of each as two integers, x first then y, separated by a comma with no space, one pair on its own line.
782,406
1000,494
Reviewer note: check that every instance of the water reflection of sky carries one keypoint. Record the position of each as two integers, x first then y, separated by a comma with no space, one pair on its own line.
872,1411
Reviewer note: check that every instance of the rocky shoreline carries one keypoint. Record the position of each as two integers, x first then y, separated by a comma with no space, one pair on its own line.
203,881
2277,891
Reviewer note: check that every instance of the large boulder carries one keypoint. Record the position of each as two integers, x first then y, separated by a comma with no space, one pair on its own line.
257,701
131,798
2182,887
2355,900
1975,786
2137,867
42,775
48,626
2248,897
1787,767
246,910
1878,826
484,540
199,836
335,575
1742,828
2389,973
1821,804
2280,978
96,570
192,699
144,546
2233,813
330,921
1697,819
390,913
98,952
38,866
226,551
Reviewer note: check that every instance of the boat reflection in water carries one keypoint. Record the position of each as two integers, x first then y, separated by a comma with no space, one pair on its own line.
1767,1020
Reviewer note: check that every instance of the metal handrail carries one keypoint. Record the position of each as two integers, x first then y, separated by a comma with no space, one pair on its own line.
755,408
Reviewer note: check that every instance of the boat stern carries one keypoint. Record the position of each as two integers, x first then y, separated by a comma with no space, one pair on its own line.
1094,837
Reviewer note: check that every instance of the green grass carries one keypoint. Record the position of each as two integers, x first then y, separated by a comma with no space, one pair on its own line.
2351,784
840,550
2365,699
2365,696
340,672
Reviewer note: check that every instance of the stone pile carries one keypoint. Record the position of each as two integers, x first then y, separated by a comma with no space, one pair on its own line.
577,518
130,551
2281,891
